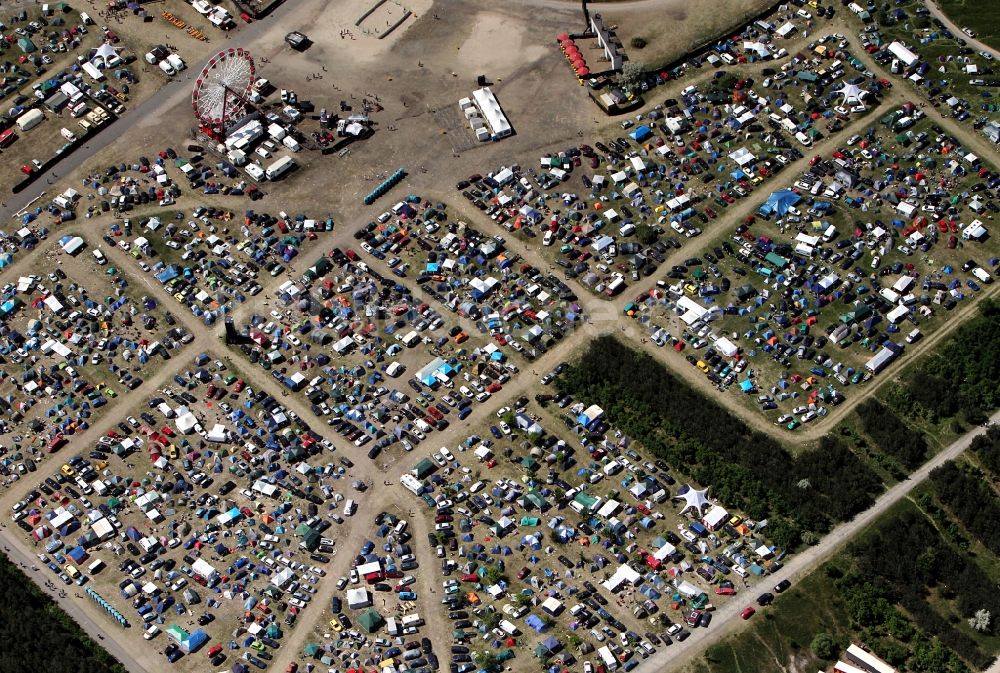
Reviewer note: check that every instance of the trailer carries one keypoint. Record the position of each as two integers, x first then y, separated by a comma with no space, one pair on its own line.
279,168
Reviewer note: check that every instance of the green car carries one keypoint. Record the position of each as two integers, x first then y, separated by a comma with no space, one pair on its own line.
792,425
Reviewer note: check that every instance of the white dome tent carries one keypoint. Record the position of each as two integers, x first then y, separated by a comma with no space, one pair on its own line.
105,52
852,94
693,499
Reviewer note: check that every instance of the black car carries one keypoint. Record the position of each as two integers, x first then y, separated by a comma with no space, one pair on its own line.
172,652
782,586
765,598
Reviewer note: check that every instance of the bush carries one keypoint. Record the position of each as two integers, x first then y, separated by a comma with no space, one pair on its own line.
638,42
824,646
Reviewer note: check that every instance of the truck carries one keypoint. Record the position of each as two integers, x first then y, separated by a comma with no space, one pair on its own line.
279,168
177,62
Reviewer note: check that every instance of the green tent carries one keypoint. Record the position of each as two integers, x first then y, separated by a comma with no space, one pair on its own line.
370,620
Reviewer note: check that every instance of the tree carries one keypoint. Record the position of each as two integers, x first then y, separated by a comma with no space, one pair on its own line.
491,619
631,75
487,661
646,234
824,646
981,621
494,575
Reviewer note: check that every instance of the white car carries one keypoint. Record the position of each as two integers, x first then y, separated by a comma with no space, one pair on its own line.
876,261
502,411
151,632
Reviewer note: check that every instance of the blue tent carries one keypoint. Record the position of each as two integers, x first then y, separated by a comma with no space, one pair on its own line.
779,202
641,133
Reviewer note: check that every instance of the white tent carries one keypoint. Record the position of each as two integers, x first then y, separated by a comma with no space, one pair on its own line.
104,52
692,498
185,423
358,598
852,94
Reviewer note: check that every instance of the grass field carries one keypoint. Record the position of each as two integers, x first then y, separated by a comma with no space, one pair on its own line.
969,13
778,638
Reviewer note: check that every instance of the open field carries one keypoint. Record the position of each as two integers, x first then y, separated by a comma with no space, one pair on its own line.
967,13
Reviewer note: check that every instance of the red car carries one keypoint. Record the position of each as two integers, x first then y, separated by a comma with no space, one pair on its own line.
523,572
747,613
246,17
214,650
725,591
7,137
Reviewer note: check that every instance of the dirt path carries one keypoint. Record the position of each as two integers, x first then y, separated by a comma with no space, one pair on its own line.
726,621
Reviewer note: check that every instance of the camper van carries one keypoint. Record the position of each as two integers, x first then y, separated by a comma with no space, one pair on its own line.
279,168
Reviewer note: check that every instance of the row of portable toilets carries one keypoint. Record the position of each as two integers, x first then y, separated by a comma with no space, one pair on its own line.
385,186
110,609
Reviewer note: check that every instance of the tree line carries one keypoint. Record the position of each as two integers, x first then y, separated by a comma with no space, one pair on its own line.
891,435
987,450
902,562
974,503
39,636
746,469
963,377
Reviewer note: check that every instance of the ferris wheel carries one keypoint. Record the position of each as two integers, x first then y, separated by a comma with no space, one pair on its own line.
223,88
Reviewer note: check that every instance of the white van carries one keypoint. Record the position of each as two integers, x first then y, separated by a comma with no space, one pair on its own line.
99,256
349,507
803,139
